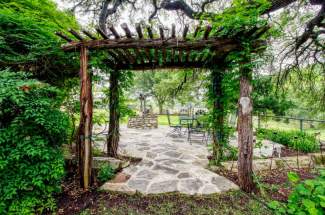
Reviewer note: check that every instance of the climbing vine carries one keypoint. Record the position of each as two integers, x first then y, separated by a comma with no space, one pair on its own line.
244,23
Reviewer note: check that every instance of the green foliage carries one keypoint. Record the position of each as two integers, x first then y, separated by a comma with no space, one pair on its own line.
308,197
166,86
105,173
125,80
266,97
28,41
32,129
243,15
294,139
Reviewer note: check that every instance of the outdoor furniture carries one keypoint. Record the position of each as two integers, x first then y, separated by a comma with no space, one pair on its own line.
177,128
199,130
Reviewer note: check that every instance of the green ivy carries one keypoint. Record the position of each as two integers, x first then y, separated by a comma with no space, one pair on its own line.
308,197
32,129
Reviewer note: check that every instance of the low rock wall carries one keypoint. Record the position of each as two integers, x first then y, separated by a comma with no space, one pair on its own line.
149,121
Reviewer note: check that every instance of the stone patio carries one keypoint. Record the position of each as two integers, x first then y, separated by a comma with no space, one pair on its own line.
169,164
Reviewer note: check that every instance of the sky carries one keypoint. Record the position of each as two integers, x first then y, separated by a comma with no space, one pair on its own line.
168,18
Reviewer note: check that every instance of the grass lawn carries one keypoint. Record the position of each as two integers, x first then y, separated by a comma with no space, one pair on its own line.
235,202
163,120
292,125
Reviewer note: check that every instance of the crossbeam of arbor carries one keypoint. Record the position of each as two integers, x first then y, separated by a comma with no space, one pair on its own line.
144,49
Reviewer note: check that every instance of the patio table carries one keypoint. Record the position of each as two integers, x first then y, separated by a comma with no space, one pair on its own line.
187,120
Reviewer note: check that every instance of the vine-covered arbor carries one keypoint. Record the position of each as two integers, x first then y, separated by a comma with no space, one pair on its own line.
145,50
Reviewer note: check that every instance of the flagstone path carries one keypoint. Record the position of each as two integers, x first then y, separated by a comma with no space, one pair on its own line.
169,164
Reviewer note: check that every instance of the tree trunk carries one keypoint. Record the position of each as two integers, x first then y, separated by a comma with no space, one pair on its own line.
85,127
218,114
160,106
245,132
114,115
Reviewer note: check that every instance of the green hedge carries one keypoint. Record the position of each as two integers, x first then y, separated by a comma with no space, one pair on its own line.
294,139
32,130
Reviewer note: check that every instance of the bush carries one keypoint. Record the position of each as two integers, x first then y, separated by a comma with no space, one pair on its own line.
294,139
105,173
32,129
308,197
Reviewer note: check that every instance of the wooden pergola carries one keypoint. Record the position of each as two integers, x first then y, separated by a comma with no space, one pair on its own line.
145,50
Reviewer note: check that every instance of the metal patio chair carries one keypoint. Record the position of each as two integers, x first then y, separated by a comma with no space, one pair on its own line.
177,128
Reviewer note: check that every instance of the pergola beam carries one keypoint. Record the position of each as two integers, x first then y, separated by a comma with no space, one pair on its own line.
102,33
167,65
139,30
185,32
114,32
222,44
88,34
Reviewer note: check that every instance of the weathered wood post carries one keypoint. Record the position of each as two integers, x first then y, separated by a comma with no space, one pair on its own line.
114,114
85,126
245,131
218,114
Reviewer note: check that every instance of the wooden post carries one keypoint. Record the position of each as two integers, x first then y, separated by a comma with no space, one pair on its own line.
245,132
301,122
218,114
114,115
85,126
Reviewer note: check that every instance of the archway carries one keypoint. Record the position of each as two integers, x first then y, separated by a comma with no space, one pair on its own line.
146,51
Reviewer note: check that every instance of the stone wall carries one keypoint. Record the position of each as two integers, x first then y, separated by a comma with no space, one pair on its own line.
148,121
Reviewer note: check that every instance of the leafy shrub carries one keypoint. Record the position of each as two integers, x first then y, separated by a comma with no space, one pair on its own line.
308,197
28,42
105,173
32,129
294,139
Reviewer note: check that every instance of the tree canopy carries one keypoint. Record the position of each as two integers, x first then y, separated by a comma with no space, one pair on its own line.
27,40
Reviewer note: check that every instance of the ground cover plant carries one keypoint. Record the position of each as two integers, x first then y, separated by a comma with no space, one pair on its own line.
105,173
307,197
32,130
297,140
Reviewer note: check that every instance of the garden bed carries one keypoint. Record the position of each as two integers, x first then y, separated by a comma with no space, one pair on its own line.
74,200
275,183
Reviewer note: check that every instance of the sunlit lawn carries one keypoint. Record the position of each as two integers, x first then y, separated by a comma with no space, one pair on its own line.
293,125
163,120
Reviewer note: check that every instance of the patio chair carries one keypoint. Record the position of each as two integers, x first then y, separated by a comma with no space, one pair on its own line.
177,128
200,129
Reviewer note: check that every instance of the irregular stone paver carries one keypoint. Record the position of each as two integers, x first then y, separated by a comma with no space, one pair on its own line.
146,174
165,169
138,184
190,186
169,164
183,175
163,187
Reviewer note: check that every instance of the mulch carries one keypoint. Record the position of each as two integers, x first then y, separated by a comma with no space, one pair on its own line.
289,152
278,177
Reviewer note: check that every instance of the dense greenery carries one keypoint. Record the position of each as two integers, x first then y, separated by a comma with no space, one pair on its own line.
267,97
308,197
28,41
168,87
32,129
105,173
294,139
